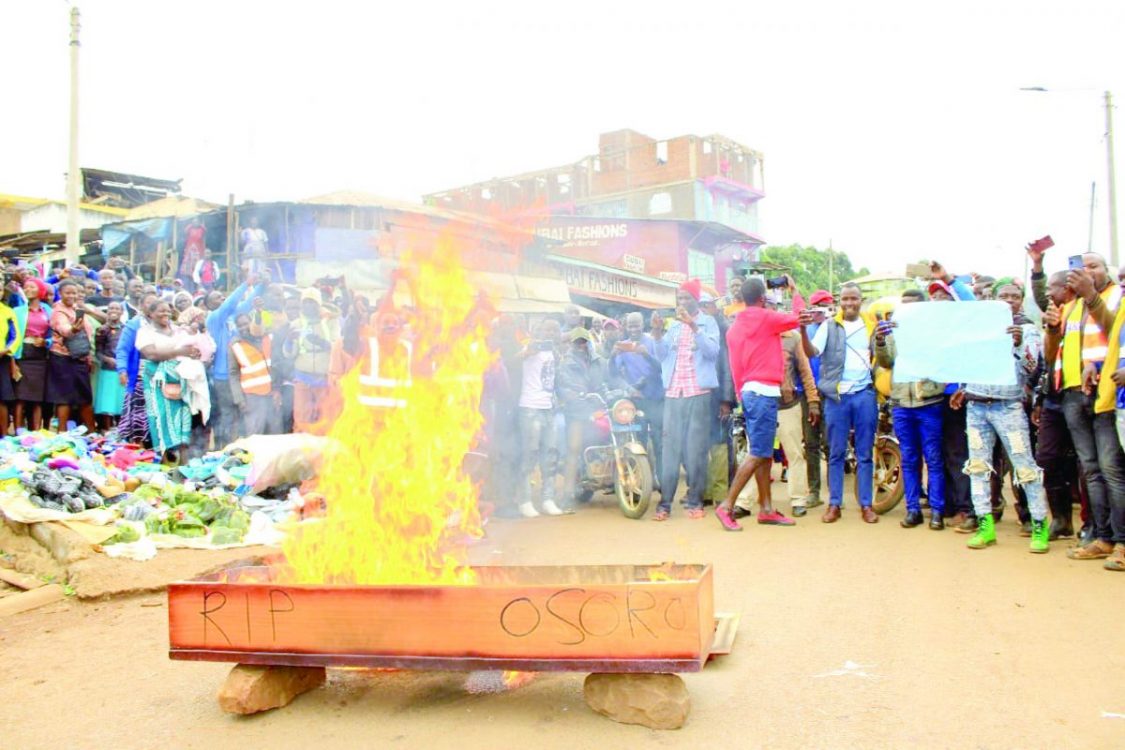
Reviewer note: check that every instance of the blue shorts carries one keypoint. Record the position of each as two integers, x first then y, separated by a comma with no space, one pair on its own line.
760,414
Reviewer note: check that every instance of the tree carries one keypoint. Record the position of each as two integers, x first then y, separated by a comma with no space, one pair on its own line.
809,266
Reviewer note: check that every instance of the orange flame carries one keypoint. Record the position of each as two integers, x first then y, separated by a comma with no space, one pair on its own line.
513,680
399,505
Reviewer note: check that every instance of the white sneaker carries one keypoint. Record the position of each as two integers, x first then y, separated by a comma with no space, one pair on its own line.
527,510
550,509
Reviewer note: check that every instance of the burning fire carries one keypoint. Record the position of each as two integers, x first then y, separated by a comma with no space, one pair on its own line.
399,505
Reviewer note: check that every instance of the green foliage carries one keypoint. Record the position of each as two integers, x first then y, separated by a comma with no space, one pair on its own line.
809,266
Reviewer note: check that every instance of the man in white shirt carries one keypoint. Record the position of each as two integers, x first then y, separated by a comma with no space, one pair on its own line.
537,417
844,346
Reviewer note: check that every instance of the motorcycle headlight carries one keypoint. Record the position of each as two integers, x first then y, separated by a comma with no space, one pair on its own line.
624,412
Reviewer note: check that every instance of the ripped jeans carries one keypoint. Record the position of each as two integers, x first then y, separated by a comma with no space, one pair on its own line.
1007,420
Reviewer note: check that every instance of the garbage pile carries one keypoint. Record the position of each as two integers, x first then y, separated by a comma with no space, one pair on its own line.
209,502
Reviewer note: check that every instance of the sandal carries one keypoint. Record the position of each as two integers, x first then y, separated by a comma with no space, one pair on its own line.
695,513
660,515
1095,550
1116,561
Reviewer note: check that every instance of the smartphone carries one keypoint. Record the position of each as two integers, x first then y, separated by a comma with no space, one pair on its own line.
1074,263
820,314
543,346
779,282
1043,243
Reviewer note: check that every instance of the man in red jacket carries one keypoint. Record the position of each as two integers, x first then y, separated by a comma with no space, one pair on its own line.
756,365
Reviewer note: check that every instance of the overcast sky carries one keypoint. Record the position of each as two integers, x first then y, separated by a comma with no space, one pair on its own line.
895,129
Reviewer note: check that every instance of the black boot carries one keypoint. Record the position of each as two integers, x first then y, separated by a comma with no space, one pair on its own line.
1061,505
937,523
913,518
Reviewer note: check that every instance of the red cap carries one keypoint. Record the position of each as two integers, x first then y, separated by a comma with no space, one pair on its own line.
694,287
939,285
821,296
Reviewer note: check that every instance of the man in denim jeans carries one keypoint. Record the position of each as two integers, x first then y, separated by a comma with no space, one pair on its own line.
688,354
537,417
1077,345
844,344
996,411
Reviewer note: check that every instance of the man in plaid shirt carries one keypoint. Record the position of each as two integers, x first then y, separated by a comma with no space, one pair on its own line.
688,353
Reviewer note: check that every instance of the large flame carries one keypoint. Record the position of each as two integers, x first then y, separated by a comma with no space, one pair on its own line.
399,504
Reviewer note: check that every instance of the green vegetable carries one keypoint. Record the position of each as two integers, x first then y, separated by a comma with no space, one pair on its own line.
125,533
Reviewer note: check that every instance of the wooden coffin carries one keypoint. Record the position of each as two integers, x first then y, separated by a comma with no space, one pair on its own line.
607,618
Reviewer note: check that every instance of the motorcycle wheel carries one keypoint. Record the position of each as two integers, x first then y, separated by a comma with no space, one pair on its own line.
741,448
889,488
634,489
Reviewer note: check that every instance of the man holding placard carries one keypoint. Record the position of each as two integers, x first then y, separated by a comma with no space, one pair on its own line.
996,412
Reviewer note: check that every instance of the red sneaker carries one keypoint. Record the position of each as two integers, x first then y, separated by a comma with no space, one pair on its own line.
775,518
725,519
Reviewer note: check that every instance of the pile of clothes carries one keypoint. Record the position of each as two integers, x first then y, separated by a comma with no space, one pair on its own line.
208,500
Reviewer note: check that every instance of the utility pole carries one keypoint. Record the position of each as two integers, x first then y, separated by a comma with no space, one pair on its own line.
831,264
73,175
1090,232
1112,179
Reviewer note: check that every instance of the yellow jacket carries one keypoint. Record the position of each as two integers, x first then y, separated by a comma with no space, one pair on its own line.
1107,390
10,330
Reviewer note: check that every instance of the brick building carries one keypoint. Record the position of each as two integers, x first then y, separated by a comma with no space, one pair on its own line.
710,184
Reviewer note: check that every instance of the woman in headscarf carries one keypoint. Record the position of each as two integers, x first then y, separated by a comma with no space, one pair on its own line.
70,359
169,417
33,316
187,314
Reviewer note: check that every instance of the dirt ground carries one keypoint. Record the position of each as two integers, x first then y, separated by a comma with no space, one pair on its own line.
956,648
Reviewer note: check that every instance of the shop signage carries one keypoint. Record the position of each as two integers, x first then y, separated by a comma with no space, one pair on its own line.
607,285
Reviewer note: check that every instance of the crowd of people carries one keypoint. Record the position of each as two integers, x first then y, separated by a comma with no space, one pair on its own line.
178,366
183,367
809,379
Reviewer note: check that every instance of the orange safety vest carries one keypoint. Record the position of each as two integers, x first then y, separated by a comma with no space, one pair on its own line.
254,375
389,374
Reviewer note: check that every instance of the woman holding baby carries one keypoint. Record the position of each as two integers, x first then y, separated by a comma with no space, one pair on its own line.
161,346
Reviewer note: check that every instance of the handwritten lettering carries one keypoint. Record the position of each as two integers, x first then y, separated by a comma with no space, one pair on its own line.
635,612
504,615
674,610
274,611
207,596
605,598
581,633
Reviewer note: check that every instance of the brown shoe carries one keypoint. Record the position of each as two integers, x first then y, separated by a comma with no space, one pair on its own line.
1095,550
956,520
831,514
868,514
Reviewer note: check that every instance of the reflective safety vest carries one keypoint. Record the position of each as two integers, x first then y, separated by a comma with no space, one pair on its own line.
388,376
254,367
1083,342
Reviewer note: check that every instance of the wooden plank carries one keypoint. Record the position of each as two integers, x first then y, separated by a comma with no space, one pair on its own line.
597,618
20,580
726,628
28,600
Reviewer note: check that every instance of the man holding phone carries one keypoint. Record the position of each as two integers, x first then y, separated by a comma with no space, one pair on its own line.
688,355
1077,347
845,345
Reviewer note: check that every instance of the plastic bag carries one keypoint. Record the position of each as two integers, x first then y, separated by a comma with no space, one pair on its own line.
282,459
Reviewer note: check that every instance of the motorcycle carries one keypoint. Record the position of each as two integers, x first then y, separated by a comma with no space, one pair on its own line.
888,480
620,460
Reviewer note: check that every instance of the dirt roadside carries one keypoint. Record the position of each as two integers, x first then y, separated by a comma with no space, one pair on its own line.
958,648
